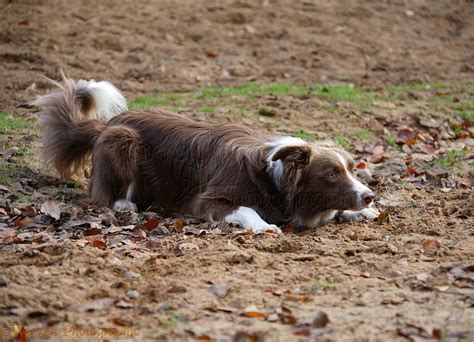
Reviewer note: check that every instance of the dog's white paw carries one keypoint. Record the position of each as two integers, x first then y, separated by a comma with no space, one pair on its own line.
264,228
249,219
367,213
123,205
370,213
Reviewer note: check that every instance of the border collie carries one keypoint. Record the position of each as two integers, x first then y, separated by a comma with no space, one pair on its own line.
221,172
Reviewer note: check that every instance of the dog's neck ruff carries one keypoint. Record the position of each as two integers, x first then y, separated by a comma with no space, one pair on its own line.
275,167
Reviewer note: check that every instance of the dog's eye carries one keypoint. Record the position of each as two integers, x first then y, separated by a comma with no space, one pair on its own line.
332,174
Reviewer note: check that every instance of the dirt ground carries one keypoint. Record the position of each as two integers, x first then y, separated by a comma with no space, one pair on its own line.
396,88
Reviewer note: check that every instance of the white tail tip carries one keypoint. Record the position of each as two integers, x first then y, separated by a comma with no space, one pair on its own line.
108,100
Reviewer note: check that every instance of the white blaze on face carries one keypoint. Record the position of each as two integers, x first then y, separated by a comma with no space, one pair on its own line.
357,186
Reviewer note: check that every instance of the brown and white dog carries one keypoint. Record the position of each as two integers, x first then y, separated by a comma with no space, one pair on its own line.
216,172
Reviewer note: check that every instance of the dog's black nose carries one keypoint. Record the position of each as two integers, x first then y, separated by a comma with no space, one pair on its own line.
368,197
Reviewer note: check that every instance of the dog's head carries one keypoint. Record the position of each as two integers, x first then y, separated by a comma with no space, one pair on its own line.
315,179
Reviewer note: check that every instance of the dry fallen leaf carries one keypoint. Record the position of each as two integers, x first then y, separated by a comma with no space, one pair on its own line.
82,242
179,225
240,259
7,235
303,332
114,229
320,320
177,289
22,335
252,311
99,244
29,211
428,149
51,209
297,298
288,319
151,224
412,170
243,336
404,134
138,234
92,231
432,246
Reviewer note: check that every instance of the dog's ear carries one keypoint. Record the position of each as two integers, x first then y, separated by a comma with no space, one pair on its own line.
295,155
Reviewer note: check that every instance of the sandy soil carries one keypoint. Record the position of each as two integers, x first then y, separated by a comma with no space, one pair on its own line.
406,275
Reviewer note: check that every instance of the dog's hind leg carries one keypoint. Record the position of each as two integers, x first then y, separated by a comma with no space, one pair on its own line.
114,168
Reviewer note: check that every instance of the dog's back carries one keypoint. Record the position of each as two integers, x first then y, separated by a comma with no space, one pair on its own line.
179,163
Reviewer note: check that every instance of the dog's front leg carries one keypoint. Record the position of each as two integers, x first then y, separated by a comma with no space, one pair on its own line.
360,215
249,219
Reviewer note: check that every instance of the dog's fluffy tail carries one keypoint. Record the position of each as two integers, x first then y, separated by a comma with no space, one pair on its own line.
72,119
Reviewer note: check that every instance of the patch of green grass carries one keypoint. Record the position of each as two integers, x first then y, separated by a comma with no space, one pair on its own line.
10,124
70,184
364,134
465,106
320,284
8,172
22,198
363,97
342,141
174,320
160,100
208,109
301,133
253,90
349,93
450,159
391,141
467,115
416,86
22,151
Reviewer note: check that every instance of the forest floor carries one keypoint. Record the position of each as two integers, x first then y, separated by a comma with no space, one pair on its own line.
393,84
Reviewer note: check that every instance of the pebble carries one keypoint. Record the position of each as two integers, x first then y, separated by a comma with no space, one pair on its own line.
392,248
130,274
133,294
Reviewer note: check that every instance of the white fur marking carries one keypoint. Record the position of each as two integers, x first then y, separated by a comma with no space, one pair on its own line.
322,218
109,101
249,219
122,205
367,213
130,192
356,185
275,168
